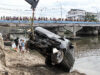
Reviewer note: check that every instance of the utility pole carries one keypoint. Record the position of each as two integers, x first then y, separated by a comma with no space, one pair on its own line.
32,23
33,4
61,12
60,4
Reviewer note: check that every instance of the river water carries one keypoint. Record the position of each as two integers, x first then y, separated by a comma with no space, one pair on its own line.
87,54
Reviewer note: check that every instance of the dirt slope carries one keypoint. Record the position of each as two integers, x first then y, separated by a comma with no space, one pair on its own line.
17,63
30,64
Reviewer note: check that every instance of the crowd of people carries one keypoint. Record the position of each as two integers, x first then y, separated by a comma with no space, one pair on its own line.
19,45
38,19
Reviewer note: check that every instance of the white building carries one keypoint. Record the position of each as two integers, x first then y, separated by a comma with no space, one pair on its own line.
98,16
76,14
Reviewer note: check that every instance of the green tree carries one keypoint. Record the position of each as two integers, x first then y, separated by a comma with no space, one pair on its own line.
91,18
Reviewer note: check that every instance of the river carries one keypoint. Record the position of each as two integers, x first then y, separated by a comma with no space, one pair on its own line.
87,54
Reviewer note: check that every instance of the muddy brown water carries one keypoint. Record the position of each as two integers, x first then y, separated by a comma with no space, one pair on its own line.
87,54
87,46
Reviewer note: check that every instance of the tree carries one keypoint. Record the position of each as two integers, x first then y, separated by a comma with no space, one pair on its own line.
91,18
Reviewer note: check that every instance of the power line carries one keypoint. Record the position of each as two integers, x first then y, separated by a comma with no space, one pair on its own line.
1,8
40,9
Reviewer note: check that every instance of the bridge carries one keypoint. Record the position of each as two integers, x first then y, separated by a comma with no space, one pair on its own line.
50,22
73,26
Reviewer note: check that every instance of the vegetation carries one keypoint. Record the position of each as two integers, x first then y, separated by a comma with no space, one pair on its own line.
91,18
67,32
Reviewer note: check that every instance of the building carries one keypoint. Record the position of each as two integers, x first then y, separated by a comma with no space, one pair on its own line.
76,14
98,16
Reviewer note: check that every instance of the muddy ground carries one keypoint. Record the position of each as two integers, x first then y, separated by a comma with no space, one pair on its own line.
29,63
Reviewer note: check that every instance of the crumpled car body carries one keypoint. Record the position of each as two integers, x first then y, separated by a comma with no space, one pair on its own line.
56,50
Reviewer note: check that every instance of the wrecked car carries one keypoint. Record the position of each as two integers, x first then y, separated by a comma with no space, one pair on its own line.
56,50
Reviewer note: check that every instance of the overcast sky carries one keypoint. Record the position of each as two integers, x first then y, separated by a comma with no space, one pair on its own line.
50,8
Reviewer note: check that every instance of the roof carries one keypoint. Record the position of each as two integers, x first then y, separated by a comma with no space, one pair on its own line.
77,10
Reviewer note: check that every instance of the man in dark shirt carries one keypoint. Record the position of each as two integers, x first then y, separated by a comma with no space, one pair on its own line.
16,42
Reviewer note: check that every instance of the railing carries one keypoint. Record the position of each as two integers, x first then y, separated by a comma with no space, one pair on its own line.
59,22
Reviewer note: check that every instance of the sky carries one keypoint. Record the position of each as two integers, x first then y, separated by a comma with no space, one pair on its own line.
46,8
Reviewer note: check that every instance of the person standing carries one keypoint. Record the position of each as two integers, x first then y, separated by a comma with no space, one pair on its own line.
20,46
16,42
23,46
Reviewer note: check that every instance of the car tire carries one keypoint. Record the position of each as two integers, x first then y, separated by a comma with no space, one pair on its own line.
68,61
48,61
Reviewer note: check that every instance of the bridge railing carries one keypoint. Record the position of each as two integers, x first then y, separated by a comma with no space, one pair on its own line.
59,22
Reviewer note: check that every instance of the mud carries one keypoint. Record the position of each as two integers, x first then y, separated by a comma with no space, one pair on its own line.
29,63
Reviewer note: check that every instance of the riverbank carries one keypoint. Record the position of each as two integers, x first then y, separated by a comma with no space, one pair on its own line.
29,64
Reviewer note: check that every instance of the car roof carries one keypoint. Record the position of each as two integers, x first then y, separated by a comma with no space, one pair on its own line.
47,33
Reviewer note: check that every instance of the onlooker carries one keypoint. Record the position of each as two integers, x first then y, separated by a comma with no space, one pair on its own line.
20,46
13,45
16,42
23,46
